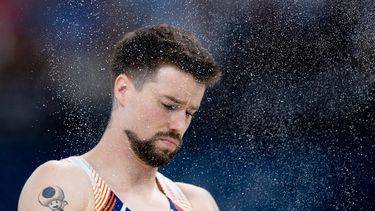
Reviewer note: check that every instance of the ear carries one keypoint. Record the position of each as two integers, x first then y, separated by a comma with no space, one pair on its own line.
121,87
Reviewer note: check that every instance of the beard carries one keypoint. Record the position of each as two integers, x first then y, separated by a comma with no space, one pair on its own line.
146,149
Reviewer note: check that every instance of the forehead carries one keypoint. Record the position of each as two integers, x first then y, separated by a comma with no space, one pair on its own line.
171,81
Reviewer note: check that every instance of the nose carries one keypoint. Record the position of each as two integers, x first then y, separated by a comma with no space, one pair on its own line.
178,122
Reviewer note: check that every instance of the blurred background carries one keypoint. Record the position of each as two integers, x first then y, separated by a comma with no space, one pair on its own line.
291,126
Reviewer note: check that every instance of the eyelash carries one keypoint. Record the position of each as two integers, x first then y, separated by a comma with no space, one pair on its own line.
170,107
189,114
173,108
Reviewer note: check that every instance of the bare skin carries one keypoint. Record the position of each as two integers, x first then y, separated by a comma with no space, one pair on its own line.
165,103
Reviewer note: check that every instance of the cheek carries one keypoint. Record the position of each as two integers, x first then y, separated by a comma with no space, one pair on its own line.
151,115
155,116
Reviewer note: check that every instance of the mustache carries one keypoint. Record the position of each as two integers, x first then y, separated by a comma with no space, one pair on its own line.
171,134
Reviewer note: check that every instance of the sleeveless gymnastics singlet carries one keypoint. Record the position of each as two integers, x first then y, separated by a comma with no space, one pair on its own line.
106,200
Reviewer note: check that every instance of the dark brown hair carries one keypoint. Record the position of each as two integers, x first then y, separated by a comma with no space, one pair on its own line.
140,52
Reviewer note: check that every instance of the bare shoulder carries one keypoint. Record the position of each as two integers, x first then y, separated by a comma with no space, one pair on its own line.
199,197
56,185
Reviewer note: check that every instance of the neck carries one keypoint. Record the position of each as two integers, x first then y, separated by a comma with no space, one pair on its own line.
117,164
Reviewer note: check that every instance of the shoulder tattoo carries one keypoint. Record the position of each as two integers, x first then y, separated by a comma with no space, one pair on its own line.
53,197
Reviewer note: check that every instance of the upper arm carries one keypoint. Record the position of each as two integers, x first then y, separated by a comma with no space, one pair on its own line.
199,198
55,185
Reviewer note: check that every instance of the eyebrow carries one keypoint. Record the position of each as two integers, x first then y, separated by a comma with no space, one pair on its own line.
181,102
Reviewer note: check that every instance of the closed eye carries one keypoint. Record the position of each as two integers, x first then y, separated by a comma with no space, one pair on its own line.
189,114
170,107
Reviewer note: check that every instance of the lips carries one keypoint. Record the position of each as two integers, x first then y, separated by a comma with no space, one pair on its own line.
170,141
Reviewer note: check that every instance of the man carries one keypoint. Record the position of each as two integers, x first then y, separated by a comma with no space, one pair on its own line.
160,75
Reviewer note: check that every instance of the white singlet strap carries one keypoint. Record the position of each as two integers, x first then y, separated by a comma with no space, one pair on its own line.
173,192
81,163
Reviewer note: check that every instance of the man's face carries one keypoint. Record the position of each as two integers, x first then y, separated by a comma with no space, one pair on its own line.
158,115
